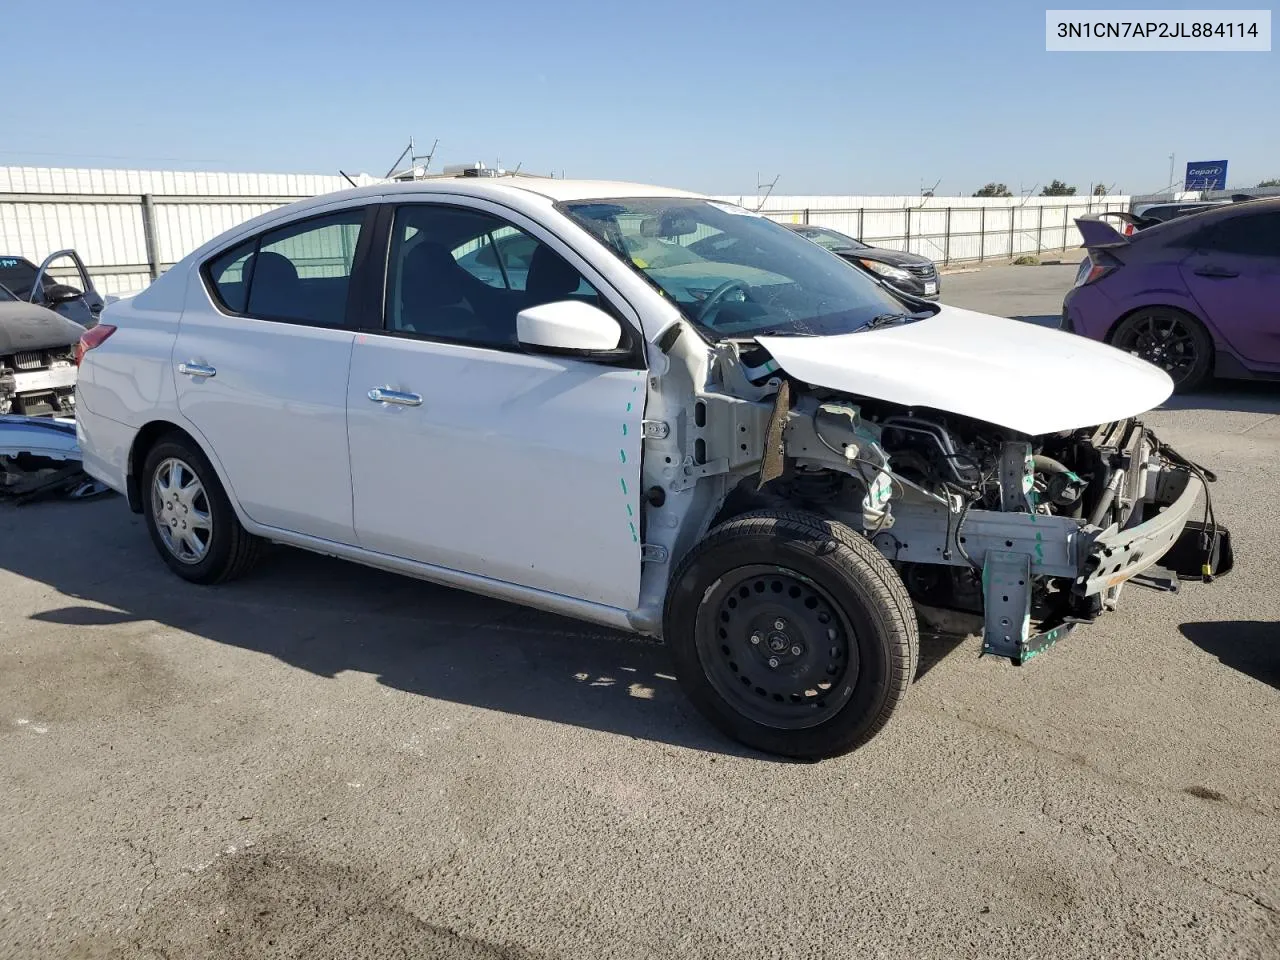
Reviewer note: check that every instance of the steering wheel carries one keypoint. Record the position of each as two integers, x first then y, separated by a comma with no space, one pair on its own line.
718,294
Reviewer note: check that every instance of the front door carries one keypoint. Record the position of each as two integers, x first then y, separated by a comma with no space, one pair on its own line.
261,363
1235,277
467,452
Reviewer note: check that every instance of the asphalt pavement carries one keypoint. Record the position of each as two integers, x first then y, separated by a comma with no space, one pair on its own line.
324,761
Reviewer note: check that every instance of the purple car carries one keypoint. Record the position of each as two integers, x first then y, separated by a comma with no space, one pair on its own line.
1198,296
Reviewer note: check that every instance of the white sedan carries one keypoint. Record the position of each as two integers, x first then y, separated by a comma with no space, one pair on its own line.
574,396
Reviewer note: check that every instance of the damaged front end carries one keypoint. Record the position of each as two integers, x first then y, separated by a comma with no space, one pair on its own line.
1018,538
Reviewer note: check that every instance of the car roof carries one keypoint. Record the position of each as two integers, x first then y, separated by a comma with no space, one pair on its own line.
512,188
552,188
1198,218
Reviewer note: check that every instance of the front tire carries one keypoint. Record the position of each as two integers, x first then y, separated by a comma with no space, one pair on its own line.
1173,340
791,633
190,519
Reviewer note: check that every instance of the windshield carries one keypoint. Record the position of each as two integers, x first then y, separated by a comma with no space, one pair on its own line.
734,273
831,239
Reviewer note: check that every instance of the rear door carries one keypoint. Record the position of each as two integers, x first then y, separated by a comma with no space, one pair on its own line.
1234,274
261,363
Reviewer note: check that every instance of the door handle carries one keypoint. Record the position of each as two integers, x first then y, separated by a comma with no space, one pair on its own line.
200,370
387,395
1214,271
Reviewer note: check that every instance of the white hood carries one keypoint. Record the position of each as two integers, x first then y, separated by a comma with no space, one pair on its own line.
1006,372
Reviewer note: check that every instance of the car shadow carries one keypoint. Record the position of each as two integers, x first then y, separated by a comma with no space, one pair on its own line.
327,616
1249,646
1241,396
935,648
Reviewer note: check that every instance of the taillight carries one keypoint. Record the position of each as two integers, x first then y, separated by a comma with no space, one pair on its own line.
1096,272
1128,229
1096,265
93,337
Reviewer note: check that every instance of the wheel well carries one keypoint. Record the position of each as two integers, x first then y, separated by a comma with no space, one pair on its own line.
744,498
147,438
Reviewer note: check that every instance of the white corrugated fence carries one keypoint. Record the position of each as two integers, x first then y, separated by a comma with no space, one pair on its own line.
130,225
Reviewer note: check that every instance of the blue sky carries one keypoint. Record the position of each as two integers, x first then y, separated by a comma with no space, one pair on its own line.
835,97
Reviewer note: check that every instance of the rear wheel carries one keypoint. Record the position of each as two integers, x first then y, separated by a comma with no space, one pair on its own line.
189,517
791,633
1173,340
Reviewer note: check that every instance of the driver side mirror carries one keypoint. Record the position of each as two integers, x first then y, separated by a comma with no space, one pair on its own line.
56,293
570,328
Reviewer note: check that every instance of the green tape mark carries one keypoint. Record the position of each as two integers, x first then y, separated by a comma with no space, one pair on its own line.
623,455
629,512
1040,547
624,429
628,408
623,481
635,537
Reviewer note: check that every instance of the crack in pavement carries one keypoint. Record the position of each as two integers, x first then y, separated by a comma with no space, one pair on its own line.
1109,776
1267,419
146,851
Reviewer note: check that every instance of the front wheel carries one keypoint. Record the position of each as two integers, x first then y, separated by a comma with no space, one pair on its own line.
1174,341
791,633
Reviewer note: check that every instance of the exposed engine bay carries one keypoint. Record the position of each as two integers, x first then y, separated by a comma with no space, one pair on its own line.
40,382
1027,533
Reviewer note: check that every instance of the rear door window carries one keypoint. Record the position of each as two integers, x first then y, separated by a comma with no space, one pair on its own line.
302,272
1257,235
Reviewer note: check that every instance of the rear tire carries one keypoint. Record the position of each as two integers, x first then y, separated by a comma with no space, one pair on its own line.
791,633
1173,340
189,517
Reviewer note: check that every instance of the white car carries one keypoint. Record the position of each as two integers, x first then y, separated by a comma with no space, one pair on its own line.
761,456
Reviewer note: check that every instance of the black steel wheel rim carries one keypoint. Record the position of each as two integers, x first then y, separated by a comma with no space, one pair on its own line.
777,647
1163,340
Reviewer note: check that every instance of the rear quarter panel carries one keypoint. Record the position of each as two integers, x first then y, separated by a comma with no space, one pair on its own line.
1138,285
128,381
129,378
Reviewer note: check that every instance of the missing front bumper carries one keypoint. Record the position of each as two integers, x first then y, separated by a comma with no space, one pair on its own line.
1115,557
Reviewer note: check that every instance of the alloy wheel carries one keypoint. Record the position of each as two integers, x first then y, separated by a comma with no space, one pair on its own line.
1163,340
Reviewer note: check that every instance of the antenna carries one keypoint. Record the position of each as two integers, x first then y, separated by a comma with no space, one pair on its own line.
760,184
413,159
348,179
407,150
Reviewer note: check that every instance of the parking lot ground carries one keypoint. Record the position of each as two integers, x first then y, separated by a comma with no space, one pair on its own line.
323,761
1031,293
